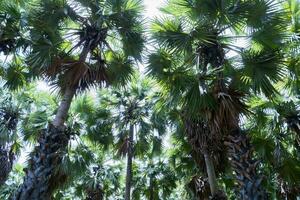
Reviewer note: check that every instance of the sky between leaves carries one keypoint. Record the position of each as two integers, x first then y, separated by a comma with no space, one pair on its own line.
152,10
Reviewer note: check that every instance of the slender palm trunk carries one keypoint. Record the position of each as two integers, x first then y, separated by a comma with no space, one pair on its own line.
151,188
212,179
40,179
129,163
198,136
63,109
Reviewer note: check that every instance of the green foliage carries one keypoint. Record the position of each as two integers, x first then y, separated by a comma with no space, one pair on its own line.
214,60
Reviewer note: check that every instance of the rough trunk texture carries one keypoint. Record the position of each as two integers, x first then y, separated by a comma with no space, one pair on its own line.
203,143
42,165
6,161
9,117
240,152
46,156
95,193
129,163
288,192
200,187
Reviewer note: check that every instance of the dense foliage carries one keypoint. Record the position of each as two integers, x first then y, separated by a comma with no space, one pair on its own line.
99,102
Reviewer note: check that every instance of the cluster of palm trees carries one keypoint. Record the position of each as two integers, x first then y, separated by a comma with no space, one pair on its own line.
213,114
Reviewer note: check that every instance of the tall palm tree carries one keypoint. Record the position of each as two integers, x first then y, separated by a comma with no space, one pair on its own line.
75,45
198,182
87,168
199,60
137,123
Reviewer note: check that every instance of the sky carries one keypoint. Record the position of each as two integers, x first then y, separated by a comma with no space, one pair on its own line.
152,7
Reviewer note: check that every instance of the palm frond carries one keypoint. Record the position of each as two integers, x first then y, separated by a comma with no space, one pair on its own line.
262,69
120,69
171,34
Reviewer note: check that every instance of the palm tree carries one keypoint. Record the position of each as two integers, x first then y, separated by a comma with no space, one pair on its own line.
196,180
87,169
11,28
275,141
74,45
134,122
21,122
199,61
90,174
154,179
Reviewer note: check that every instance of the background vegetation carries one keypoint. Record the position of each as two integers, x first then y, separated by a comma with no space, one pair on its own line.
99,102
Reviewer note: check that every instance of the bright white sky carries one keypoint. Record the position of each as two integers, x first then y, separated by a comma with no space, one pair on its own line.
152,7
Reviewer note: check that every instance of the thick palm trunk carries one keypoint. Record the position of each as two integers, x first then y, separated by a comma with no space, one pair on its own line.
239,151
129,164
6,161
40,174
250,183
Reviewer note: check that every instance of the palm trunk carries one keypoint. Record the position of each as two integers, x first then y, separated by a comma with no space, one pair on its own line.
250,182
129,163
63,109
7,157
198,137
151,188
95,193
41,176
212,179
199,186
6,161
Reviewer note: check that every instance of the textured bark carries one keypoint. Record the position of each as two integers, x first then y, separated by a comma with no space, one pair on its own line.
40,178
95,193
240,152
286,191
46,156
6,161
200,188
129,163
42,166
8,121
203,142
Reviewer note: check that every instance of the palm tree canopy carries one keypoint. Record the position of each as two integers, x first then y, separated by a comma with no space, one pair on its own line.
108,33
